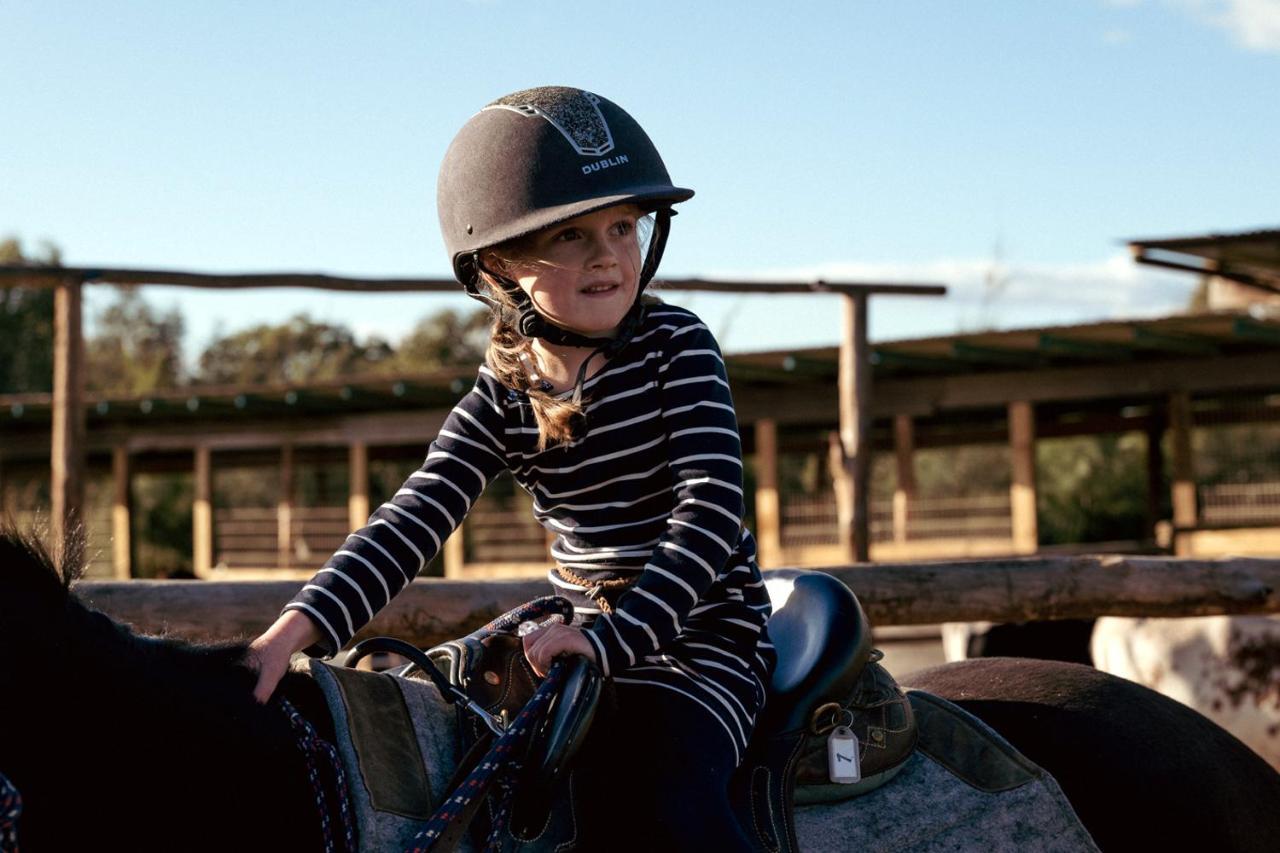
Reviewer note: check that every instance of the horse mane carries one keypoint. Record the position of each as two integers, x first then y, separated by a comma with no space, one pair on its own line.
29,550
129,717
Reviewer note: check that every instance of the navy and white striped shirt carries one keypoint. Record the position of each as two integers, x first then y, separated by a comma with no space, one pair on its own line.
651,489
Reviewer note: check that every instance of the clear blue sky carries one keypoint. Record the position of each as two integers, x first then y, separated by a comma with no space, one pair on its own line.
936,141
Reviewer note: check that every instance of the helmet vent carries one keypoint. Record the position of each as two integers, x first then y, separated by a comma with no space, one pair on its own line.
573,112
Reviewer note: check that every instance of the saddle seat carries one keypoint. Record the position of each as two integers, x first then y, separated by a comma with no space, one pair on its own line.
823,643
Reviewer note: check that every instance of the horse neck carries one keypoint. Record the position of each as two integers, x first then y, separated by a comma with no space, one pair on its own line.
110,721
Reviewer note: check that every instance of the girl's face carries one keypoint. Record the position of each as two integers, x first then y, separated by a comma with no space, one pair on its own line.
586,270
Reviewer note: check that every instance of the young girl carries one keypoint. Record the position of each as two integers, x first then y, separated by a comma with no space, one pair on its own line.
614,412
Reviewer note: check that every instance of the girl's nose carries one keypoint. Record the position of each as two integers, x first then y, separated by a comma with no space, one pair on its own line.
601,253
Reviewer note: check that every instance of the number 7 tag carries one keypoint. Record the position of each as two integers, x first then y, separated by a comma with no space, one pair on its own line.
844,764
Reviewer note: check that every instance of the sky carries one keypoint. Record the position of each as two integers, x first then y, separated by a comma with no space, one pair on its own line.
1005,148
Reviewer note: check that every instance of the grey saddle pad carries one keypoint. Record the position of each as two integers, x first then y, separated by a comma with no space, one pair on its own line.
396,739
965,788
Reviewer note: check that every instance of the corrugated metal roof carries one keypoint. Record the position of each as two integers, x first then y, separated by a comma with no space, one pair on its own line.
1180,336
1249,257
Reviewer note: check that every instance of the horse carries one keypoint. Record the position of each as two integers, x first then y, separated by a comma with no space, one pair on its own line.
151,743
1225,667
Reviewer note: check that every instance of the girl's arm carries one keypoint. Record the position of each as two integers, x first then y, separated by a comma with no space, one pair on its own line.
705,524
378,560
270,653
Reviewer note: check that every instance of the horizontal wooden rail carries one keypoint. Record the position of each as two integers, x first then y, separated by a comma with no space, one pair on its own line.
1010,590
47,276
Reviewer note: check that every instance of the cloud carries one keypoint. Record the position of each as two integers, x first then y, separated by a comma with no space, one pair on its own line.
1254,24
985,294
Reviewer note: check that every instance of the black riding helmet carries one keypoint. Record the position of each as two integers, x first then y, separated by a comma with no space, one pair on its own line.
541,156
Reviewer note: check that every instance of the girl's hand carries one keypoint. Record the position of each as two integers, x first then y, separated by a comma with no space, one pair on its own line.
545,645
270,653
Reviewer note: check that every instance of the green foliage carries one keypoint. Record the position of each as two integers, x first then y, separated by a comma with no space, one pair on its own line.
444,339
134,350
26,325
298,351
1237,453
1092,488
962,472
162,524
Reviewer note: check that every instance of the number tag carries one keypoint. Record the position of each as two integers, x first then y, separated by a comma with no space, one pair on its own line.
844,764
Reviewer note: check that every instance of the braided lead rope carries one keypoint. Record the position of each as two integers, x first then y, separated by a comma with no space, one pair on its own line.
498,766
534,610
10,811
315,751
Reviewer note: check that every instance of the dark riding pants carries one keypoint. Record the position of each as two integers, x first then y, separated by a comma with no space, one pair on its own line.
654,775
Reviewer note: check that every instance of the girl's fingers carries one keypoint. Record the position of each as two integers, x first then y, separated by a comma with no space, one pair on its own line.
542,647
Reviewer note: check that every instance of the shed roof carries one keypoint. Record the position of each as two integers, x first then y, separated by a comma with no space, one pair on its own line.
1117,342
1249,257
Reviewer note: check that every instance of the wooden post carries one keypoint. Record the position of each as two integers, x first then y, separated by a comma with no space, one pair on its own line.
67,457
904,445
768,510
358,492
202,514
1022,490
121,539
1185,512
1155,472
855,429
284,509
455,557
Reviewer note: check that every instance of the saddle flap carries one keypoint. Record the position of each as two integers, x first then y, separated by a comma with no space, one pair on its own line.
490,667
823,642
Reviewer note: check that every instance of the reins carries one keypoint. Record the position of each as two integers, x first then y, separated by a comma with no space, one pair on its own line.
10,811
499,766
319,756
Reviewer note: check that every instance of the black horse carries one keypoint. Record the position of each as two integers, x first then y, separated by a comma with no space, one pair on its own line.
145,743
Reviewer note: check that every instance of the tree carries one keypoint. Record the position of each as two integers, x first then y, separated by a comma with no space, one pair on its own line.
444,339
26,324
134,350
297,351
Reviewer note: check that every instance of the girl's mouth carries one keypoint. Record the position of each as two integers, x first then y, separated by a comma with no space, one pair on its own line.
598,289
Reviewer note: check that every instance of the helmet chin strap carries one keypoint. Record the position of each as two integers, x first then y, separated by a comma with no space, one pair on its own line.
531,324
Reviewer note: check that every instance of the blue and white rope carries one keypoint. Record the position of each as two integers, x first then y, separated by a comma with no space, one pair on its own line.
10,811
316,749
499,766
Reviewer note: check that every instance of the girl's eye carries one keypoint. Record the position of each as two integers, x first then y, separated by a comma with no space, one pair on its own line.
624,227
566,235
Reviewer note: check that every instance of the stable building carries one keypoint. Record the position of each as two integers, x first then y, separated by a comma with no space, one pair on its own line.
308,462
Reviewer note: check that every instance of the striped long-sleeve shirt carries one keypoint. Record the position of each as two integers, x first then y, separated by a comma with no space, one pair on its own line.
651,489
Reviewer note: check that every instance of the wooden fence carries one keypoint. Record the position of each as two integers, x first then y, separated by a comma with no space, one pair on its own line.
1240,503
1003,590
809,520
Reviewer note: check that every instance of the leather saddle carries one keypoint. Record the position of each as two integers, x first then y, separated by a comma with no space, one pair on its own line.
826,668
825,661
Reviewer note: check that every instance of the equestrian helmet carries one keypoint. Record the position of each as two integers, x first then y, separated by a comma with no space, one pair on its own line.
538,157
